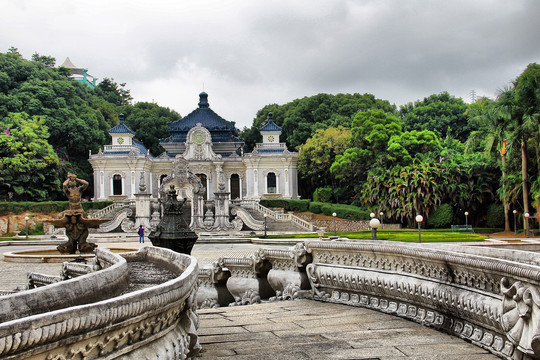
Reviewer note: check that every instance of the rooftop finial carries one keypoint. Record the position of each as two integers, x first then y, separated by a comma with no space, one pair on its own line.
121,117
203,100
270,116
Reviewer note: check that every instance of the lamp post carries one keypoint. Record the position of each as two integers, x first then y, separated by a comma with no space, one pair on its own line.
335,231
419,219
374,223
26,218
372,215
466,218
527,222
515,221
382,220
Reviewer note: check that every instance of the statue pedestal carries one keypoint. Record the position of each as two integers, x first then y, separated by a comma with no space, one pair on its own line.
142,210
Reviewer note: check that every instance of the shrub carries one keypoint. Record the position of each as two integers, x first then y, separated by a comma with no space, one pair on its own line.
9,207
441,217
323,194
342,211
495,216
315,207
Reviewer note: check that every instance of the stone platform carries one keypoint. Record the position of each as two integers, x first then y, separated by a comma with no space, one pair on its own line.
307,329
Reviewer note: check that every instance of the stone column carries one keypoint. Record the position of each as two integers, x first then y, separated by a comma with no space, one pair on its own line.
142,205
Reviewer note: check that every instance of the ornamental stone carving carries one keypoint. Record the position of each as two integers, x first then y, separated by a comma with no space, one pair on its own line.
521,315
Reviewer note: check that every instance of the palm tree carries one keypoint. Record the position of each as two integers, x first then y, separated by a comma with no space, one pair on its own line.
521,107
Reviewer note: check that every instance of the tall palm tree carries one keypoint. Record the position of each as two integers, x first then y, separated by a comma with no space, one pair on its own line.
521,106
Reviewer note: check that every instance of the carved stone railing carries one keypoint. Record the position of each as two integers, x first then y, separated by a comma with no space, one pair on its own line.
490,297
246,217
99,214
247,283
157,322
77,291
481,299
115,222
288,273
252,204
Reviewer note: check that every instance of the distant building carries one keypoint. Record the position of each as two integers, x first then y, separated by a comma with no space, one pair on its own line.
211,146
79,74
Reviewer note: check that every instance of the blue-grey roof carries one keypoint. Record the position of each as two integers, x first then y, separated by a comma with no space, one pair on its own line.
121,128
141,147
270,125
220,129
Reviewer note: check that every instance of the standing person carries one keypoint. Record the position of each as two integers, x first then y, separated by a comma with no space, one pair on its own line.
141,234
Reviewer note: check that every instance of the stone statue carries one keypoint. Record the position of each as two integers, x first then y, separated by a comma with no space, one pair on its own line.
74,219
74,191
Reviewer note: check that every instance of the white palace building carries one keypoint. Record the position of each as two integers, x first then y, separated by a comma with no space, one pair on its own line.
213,152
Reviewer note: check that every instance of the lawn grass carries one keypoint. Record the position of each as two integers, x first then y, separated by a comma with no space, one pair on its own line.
397,235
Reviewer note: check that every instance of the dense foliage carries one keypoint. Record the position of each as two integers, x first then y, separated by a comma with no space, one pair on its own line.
63,120
472,157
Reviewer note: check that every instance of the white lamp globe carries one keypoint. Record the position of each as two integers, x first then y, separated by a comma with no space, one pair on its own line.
374,223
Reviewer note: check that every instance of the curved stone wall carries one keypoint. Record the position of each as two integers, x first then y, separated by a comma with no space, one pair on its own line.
487,296
157,322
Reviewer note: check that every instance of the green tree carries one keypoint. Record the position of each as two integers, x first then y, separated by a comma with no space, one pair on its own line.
113,92
317,155
371,131
441,113
28,164
520,105
48,61
402,148
149,121
301,118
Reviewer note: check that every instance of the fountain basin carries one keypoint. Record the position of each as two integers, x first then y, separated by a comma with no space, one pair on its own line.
52,255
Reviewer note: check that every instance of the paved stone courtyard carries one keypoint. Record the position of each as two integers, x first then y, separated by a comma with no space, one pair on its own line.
306,329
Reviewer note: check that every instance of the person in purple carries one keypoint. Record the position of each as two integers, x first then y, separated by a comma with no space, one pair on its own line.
141,234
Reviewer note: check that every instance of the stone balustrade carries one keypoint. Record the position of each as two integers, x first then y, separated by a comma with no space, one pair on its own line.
487,296
100,318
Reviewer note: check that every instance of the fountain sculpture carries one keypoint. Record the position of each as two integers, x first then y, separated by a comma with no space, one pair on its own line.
74,219
173,231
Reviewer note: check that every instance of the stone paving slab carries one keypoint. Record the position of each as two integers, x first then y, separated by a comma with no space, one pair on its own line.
317,331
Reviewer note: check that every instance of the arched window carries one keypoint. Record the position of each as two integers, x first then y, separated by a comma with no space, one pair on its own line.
271,184
204,182
235,186
117,184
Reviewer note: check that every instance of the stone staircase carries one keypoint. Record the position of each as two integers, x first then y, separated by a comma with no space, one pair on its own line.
276,225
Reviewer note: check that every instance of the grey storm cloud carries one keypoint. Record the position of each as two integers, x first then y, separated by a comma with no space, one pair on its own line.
249,54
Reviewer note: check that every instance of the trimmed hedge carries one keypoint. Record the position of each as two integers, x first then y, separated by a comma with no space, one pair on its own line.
287,204
47,206
343,211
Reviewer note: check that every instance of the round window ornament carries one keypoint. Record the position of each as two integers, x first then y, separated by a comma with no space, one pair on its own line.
120,141
271,138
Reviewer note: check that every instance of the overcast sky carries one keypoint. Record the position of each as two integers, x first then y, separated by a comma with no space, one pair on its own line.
246,54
